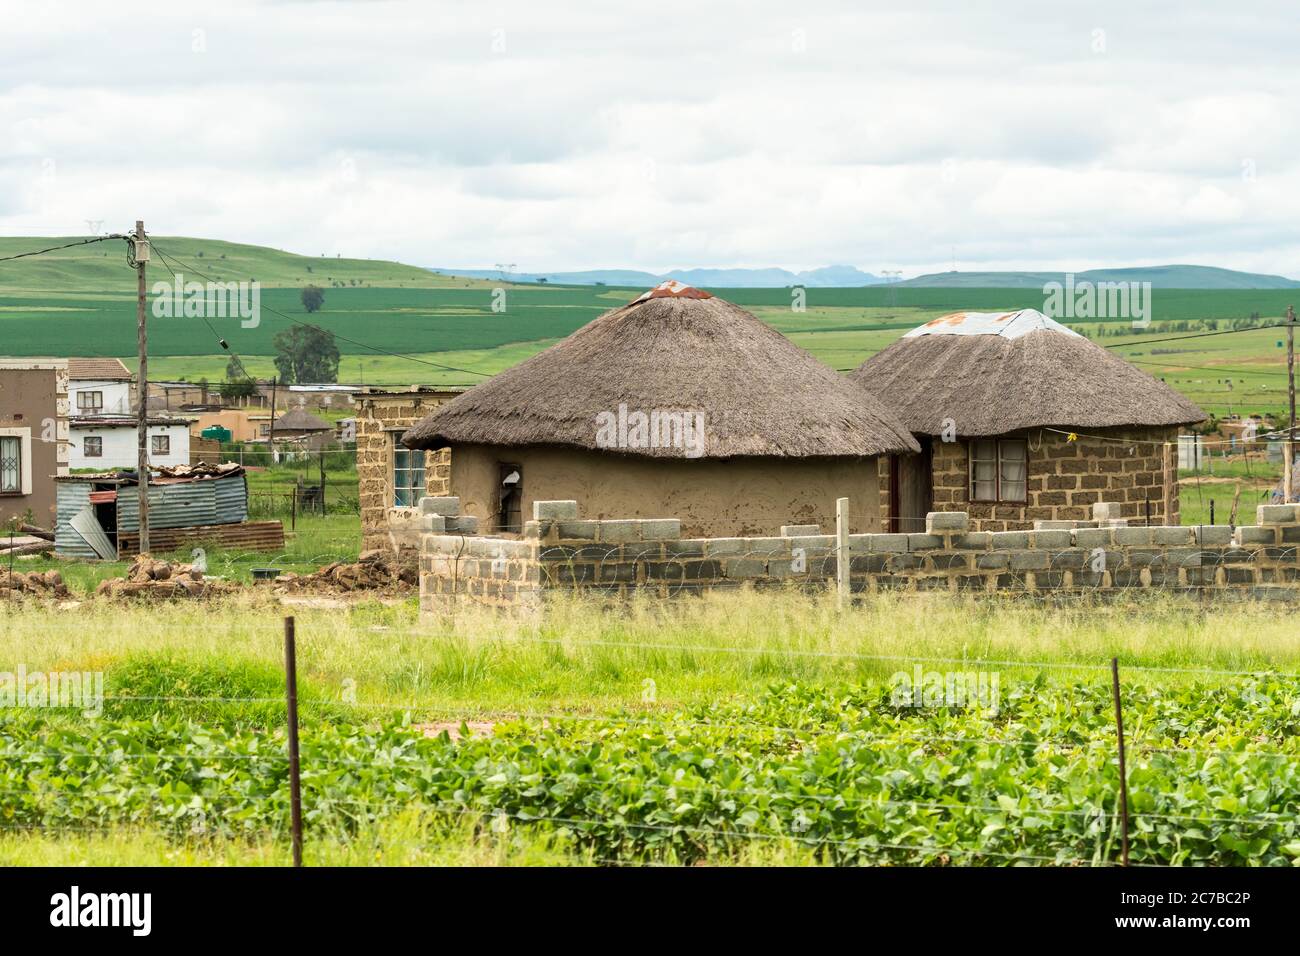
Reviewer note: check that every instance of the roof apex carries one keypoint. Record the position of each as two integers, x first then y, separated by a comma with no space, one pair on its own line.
672,289
1009,325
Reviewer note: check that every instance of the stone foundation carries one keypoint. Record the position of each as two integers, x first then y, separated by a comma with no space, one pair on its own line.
560,552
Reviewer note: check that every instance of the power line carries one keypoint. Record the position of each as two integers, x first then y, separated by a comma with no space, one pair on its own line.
166,260
365,345
70,245
1207,368
1196,335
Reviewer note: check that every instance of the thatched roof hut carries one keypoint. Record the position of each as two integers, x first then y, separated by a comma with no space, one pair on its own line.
996,373
673,348
299,420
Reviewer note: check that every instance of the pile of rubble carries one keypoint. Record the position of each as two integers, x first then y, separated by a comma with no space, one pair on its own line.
148,578
34,583
372,571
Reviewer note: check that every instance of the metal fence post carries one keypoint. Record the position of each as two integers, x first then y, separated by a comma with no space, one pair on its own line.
291,700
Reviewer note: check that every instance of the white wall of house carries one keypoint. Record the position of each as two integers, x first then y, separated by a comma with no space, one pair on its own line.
119,449
116,397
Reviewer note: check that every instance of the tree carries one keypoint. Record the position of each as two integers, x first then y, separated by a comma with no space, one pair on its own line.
236,385
305,353
313,298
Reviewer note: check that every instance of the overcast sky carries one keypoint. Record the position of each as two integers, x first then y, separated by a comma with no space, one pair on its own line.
659,135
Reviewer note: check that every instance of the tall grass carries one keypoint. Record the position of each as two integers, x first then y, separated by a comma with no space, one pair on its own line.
588,656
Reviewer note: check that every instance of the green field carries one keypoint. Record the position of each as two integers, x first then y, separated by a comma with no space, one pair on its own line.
726,729
86,296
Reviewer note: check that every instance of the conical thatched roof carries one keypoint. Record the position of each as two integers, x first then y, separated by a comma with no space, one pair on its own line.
674,349
300,420
993,373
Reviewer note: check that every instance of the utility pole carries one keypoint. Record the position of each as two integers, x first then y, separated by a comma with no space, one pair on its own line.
140,256
1289,445
270,434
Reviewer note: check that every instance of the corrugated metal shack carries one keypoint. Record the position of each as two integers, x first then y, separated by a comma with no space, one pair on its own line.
98,514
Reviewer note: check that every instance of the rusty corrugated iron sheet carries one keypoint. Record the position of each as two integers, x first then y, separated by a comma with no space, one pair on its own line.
672,289
248,536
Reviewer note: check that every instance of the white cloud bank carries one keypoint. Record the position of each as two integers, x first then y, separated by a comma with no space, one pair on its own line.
584,135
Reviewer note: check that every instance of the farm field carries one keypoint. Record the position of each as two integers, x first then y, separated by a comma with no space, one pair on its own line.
727,729
451,329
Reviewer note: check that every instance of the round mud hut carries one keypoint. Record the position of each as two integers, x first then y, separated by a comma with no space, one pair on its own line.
676,405
1022,419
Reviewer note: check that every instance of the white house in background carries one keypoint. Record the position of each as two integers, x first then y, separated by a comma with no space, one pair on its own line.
98,386
109,442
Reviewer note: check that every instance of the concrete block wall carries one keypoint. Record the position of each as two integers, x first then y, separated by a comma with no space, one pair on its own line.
561,552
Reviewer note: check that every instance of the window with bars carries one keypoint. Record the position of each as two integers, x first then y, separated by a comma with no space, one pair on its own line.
92,446
160,444
11,465
408,476
90,402
999,469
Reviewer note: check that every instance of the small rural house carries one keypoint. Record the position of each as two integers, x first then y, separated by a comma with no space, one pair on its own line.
298,424
677,404
33,437
99,514
99,386
110,441
1021,419
391,478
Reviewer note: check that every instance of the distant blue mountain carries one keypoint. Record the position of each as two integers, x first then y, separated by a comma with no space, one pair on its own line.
1160,277
773,278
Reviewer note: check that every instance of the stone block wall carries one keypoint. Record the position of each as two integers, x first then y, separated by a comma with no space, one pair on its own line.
380,420
1066,478
562,553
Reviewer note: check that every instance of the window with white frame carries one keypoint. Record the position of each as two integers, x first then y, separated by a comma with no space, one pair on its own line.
408,475
160,444
92,446
999,470
89,403
11,465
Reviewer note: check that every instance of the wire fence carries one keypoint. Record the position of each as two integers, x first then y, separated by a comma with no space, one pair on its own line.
51,790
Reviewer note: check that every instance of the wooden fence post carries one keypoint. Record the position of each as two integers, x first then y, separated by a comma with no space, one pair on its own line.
291,700
842,551
1123,770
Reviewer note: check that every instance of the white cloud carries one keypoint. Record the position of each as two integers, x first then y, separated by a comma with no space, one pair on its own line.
590,135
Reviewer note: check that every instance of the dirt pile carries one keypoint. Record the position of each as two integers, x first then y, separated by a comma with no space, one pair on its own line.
159,580
33,583
373,571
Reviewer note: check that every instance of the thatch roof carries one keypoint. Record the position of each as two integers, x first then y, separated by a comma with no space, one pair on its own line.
993,373
673,349
300,420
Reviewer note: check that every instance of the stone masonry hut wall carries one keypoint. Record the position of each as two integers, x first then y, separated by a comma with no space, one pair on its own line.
381,419
1022,420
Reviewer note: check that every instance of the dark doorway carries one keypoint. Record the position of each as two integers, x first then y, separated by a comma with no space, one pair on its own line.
510,512
911,493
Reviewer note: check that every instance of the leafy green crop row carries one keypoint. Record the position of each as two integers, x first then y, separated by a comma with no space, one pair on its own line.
1212,776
